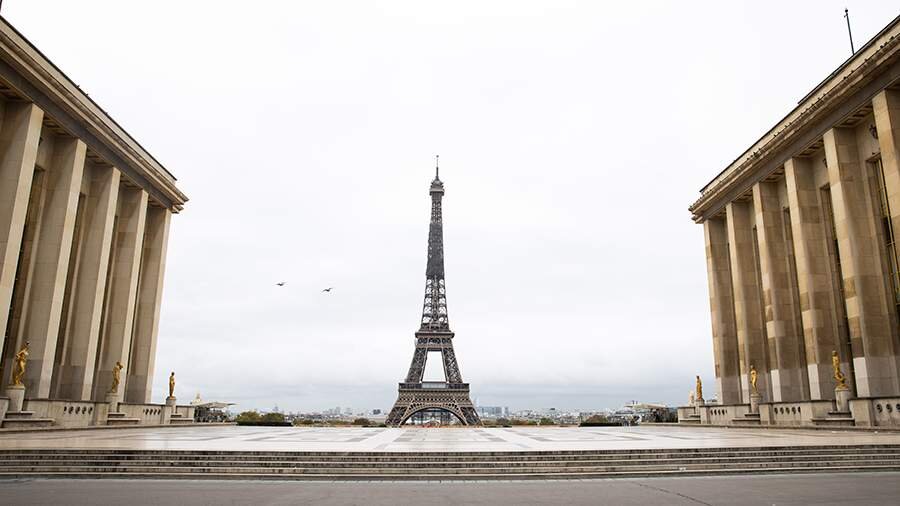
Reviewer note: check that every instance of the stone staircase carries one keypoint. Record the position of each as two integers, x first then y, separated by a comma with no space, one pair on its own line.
443,465
747,419
835,419
118,418
180,419
24,420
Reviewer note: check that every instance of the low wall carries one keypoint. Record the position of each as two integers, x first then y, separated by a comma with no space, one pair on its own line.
685,411
876,411
75,414
793,413
68,413
770,413
186,411
724,414
149,414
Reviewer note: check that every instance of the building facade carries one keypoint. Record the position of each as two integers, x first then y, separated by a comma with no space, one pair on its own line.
802,257
84,225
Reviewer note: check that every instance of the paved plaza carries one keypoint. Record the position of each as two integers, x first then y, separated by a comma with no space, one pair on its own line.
352,439
783,490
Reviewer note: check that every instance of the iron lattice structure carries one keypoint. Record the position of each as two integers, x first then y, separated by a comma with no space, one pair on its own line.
434,335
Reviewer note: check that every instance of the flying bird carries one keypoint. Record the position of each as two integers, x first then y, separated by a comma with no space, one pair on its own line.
327,289
280,283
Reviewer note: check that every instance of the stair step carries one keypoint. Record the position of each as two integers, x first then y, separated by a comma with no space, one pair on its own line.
449,470
473,476
144,460
443,465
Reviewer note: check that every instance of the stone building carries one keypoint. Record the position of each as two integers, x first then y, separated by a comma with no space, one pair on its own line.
802,257
84,224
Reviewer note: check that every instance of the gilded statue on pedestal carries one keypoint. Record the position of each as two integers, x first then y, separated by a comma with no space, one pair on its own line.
116,377
19,365
838,375
699,388
753,378
172,384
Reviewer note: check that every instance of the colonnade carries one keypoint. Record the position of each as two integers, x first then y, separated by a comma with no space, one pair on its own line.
804,263
83,251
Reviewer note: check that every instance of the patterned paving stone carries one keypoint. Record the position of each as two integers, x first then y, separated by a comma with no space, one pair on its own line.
224,438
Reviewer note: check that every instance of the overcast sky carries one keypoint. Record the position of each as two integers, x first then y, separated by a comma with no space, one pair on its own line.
572,135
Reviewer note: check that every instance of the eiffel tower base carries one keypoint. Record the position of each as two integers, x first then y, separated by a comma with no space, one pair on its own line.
450,397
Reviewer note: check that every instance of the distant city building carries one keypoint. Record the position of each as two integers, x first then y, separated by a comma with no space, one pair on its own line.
802,257
210,411
492,411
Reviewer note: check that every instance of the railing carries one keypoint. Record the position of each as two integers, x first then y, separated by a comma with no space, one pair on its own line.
435,385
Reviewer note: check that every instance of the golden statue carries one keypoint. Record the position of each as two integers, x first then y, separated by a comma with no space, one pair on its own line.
172,384
753,378
116,371
838,375
19,365
699,389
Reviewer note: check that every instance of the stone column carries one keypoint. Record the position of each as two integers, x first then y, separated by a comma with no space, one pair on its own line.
143,351
817,299
123,287
786,368
77,371
48,281
721,304
874,353
886,109
747,310
20,132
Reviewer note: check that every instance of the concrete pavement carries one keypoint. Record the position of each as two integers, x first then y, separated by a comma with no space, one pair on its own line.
781,490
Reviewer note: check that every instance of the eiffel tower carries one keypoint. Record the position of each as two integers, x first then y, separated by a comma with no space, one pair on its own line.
419,398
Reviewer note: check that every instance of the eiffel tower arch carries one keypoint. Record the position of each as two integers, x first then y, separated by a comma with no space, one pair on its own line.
417,396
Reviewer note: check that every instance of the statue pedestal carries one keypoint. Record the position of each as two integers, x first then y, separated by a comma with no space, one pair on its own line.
16,394
842,399
754,402
16,417
168,410
112,398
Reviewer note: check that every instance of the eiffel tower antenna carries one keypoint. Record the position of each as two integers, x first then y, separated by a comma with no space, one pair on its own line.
445,400
437,159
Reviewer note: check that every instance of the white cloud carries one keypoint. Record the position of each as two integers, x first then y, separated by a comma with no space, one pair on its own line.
573,135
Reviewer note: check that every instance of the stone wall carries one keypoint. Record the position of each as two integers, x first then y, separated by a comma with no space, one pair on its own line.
77,414
69,413
877,412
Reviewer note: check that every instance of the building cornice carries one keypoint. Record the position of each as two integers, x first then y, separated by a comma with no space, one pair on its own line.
780,142
42,81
